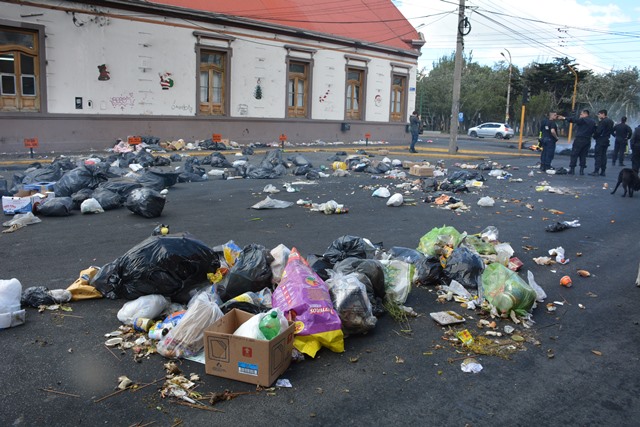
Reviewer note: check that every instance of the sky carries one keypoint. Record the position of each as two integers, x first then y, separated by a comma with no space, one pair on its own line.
597,35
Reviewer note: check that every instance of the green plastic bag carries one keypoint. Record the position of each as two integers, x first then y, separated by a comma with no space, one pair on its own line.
482,247
507,291
437,239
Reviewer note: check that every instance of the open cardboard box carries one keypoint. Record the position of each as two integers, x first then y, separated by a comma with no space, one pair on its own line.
244,359
23,201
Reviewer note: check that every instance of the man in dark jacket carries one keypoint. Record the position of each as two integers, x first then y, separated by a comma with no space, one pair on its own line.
602,136
635,149
548,139
585,126
622,132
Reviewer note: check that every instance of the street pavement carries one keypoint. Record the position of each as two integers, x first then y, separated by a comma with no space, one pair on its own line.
578,366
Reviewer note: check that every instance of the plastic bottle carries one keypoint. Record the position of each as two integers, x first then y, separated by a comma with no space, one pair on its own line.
270,325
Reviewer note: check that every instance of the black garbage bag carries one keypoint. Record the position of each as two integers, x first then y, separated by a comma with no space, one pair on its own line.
144,159
64,163
428,271
352,302
247,151
80,196
51,173
464,267
302,170
218,160
334,158
383,167
348,246
254,172
300,160
125,159
406,254
157,179
429,184
87,176
464,175
58,206
272,159
191,177
108,199
177,158
145,202
371,273
192,165
321,267
161,161
173,265
123,186
4,188
35,296
250,273
313,174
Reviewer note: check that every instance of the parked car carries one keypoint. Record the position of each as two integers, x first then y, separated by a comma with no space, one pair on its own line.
491,130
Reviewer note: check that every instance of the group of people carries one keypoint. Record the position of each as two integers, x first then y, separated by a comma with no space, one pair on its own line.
585,129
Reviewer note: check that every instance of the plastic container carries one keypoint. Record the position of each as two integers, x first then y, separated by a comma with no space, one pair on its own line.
270,325
142,324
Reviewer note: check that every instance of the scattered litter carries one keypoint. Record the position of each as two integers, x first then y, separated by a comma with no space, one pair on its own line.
470,365
282,382
269,203
486,201
445,318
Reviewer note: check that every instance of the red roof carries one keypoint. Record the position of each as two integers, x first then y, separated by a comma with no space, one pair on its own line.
373,21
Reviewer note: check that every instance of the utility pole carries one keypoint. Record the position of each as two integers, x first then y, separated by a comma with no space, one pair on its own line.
573,99
506,114
463,29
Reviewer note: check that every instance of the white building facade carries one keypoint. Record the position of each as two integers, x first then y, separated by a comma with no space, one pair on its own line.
78,75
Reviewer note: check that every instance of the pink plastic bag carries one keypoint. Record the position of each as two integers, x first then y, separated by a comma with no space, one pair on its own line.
305,300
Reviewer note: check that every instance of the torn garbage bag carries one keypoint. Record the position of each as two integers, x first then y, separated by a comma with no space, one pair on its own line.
171,265
250,273
507,291
428,271
349,297
371,274
439,241
187,337
305,300
465,267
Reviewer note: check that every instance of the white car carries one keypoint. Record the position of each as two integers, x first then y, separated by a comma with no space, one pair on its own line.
491,130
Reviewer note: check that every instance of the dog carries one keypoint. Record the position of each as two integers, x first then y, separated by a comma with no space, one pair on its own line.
629,180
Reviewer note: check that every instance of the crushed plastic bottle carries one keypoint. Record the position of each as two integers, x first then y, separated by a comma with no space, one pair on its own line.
270,325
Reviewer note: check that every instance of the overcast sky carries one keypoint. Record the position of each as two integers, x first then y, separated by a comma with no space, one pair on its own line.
598,35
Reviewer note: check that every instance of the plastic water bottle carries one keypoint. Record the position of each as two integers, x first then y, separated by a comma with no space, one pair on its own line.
270,325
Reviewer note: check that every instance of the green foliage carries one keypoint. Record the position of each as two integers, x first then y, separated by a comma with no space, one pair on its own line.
484,90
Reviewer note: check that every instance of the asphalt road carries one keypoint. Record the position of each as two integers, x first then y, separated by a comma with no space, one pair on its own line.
578,366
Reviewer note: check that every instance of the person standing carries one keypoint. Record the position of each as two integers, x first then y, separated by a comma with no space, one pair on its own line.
635,150
549,137
622,133
414,127
585,126
602,135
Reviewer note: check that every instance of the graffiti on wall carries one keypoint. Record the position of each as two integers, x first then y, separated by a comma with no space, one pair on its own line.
104,73
182,107
243,109
166,81
123,101
377,100
323,98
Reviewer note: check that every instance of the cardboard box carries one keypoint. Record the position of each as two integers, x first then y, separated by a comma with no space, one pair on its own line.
421,170
244,359
40,187
22,202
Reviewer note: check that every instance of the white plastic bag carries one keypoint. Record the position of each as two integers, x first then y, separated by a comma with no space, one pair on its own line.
10,312
91,205
541,295
187,338
147,306
251,328
22,219
486,201
280,256
382,192
395,200
397,279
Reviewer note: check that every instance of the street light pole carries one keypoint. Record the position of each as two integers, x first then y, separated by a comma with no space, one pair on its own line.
506,114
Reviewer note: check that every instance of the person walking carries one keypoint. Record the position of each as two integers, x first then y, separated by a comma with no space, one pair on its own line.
622,133
585,126
635,150
549,137
414,126
602,136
